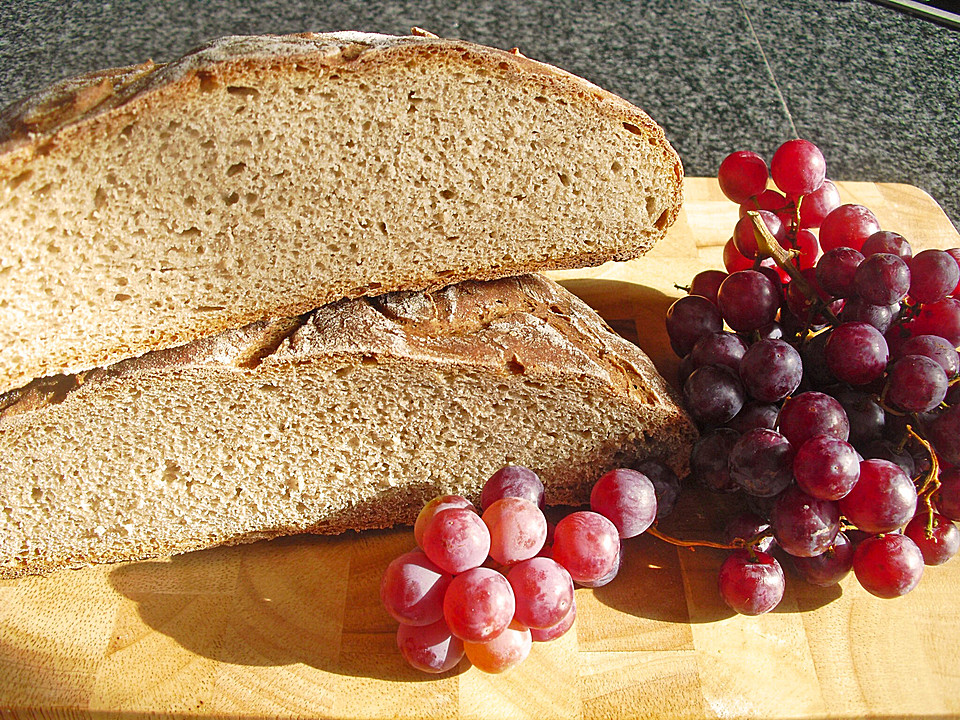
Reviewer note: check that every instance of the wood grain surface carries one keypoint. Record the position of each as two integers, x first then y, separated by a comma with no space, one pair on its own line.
294,628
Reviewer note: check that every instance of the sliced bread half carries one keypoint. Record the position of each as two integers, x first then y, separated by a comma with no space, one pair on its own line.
349,417
148,206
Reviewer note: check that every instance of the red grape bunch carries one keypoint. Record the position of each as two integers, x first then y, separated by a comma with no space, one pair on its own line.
821,366
487,585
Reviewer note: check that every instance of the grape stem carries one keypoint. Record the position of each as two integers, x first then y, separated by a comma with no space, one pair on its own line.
737,544
767,245
930,479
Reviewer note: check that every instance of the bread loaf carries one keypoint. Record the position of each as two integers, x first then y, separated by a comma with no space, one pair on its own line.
349,417
148,206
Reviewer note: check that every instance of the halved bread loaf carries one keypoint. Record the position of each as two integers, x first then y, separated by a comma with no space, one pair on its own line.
349,417
148,206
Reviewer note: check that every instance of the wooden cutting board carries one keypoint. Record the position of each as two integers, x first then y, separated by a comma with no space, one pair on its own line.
293,627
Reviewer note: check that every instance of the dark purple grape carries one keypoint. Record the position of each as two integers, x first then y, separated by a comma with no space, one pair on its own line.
826,467
761,462
830,567
888,566
666,484
889,450
803,525
883,499
836,269
709,459
941,318
706,283
881,317
713,395
745,527
934,274
944,432
856,353
816,374
885,241
755,415
771,370
935,348
689,319
719,348
915,384
947,497
685,368
512,481
936,536
748,300
809,309
866,417
882,279
812,413
751,583
773,331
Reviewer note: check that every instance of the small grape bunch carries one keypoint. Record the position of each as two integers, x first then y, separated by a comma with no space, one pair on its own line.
821,366
488,584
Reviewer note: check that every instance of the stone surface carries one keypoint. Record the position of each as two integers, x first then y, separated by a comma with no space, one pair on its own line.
877,89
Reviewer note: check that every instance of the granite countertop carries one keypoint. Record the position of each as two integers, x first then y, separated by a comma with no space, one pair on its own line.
877,89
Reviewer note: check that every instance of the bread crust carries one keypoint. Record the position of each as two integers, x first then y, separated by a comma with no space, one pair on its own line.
525,327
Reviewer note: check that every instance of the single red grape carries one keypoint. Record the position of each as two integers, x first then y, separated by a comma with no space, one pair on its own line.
751,584
431,648
456,540
856,353
412,589
512,481
587,544
803,525
817,205
937,545
934,275
888,566
502,652
826,467
847,226
836,269
830,567
916,384
885,241
479,604
798,167
627,498
742,175
883,499
813,413
689,319
706,283
748,300
543,590
882,279
517,527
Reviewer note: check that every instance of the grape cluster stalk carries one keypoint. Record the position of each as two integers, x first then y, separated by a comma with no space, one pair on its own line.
821,366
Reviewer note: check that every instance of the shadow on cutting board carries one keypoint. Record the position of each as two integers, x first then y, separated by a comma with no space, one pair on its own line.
304,599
